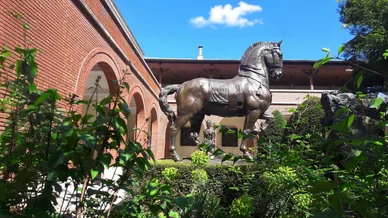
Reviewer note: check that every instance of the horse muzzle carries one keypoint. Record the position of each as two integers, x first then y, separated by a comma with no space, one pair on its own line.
276,74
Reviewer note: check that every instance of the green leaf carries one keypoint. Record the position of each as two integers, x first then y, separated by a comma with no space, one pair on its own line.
227,157
240,135
230,132
322,62
327,214
377,102
32,87
42,98
154,192
326,50
124,109
351,120
93,173
105,160
25,26
359,81
126,85
5,54
173,214
323,186
357,153
341,49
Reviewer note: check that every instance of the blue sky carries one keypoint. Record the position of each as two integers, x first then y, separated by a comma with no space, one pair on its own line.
175,28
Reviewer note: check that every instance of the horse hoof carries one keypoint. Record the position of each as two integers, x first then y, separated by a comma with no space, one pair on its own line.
176,157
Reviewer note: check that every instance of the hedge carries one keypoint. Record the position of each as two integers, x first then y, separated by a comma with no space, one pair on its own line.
221,178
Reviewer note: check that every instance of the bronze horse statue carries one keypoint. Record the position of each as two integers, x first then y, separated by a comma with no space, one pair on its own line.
247,94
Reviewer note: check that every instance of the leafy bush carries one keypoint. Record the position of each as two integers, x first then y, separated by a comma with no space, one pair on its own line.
170,173
306,119
222,179
199,158
199,175
241,207
274,133
48,150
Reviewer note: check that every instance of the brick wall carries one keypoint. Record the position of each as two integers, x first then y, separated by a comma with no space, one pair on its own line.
73,43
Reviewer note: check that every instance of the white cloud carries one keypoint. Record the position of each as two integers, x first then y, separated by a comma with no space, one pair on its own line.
229,16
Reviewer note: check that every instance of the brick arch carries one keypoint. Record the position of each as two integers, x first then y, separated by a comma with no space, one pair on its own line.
153,130
137,94
106,61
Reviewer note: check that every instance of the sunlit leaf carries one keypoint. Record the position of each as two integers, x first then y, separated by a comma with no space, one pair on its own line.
322,62
351,120
341,49
94,173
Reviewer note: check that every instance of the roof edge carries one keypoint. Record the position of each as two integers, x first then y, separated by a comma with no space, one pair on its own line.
116,13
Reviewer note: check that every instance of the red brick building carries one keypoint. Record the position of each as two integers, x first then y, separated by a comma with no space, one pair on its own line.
82,39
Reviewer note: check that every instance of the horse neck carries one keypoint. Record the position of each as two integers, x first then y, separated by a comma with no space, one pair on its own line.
256,72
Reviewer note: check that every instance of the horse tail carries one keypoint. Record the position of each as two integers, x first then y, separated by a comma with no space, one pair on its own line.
168,90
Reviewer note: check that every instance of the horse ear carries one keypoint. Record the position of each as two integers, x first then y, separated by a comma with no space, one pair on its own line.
280,42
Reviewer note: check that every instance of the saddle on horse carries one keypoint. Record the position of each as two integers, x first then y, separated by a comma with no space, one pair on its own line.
228,93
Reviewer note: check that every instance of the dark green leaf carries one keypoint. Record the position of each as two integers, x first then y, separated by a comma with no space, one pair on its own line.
124,109
105,160
226,157
327,214
126,85
323,186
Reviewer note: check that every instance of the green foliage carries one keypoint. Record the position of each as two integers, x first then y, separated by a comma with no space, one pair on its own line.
275,130
170,173
199,158
241,207
306,119
44,145
224,181
366,20
199,175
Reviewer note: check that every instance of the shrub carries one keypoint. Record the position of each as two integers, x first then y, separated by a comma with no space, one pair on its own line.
170,173
241,207
221,179
275,130
306,119
199,158
199,175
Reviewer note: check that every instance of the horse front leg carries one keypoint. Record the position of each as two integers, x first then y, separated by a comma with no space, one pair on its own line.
250,121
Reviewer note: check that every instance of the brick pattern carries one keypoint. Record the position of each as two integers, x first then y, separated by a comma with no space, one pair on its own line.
72,44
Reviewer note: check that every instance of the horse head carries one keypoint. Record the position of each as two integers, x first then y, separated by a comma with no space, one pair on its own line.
262,55
274,61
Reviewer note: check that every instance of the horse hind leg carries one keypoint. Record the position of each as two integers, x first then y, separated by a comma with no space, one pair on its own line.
174,129
250,121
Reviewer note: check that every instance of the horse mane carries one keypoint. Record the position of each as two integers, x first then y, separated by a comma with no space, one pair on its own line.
254,45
